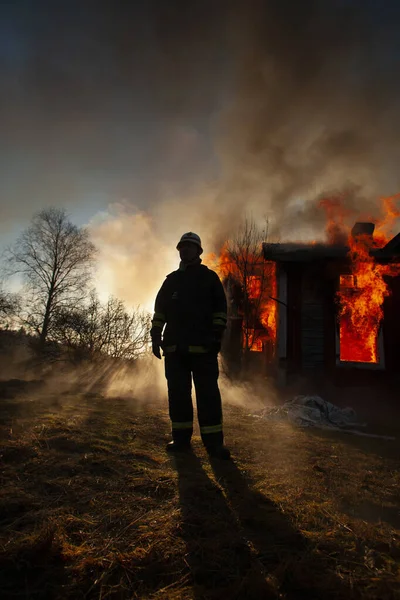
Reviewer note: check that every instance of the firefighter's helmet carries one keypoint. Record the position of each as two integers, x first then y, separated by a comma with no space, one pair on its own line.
191,237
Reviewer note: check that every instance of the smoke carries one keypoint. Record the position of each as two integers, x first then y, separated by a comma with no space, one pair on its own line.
105,102
314,108
165,117
293,101
137,249
128,264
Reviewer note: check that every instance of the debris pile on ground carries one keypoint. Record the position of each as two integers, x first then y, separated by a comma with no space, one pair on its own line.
311,411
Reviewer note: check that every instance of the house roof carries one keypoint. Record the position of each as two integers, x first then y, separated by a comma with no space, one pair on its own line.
302,252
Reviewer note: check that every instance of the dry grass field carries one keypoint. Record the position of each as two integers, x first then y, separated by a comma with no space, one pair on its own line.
91,507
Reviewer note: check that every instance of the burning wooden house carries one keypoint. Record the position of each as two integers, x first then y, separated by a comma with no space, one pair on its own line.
338,305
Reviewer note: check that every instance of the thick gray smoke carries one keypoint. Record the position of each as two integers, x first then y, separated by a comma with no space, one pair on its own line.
314,108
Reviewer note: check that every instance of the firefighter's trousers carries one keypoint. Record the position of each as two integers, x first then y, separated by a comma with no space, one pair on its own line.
179,368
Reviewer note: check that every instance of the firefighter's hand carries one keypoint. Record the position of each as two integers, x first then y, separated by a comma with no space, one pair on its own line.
156,349
156,343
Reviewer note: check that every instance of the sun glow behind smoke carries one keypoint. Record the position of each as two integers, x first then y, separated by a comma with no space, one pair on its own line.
133,258
137,248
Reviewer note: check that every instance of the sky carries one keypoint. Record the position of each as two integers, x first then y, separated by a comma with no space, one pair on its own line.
145,119
99,105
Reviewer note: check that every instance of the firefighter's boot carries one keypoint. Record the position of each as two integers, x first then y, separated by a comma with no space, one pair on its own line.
178,446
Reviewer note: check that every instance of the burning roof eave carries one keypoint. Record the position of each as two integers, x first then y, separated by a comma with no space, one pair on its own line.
292,252
302,252
390,251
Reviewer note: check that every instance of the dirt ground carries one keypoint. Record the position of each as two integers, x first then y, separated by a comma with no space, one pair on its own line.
92,507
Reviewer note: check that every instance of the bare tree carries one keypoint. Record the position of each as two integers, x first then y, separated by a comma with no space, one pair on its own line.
125,335
81,328
55,258
249,279
99,330
9,308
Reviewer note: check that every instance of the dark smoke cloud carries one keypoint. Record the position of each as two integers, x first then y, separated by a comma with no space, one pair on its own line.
315,108
270,103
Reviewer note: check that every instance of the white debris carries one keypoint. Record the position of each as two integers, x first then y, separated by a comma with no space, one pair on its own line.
313,411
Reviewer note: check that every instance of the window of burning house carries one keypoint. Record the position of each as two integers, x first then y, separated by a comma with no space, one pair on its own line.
361,296
360,338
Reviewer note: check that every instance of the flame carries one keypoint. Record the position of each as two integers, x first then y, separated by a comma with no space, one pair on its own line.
361,296
339,219
384,226
263,289
362,293
257,344
260,287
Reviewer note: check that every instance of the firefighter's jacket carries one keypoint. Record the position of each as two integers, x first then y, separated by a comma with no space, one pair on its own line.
192,305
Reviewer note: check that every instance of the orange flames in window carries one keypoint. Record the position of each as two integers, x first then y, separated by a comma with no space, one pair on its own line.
362,292
260,287
263,291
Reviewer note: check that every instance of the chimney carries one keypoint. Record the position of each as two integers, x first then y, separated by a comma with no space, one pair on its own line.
366,229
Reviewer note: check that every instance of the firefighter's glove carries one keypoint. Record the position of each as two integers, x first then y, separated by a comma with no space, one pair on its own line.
156,344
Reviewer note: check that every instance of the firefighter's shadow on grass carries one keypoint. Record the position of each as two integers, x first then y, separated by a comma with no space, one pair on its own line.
240,544
220,560
282,551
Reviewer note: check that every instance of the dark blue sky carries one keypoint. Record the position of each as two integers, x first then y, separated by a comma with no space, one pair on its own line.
103,101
